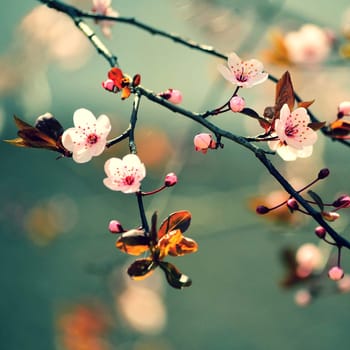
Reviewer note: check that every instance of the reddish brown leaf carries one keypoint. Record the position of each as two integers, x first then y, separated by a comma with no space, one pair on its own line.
340,128
316,125
284,93
179,220
305,104
136,80
133,242
174,277
185,246
45,134
141,268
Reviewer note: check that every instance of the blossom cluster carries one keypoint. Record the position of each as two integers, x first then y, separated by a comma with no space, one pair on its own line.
288,128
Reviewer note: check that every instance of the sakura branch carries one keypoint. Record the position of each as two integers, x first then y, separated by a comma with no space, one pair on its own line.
288,128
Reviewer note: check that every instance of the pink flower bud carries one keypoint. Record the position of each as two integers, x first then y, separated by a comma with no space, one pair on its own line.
336,273
323,173
115,227
203,141
173,96
170,180
343,109
320,232
342,202
302,297
292,204
330,215
109,85
237,103
261,209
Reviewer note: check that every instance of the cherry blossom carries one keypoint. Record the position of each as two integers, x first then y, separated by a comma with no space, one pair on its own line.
125,174
103,7
296,138
89,136
243,73
309,45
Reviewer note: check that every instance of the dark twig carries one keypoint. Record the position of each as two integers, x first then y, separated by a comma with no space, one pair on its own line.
77,14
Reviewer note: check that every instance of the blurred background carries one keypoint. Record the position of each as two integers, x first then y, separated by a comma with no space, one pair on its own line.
64,284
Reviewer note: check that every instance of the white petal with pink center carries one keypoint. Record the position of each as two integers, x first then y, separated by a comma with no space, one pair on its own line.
88,138
243,73
125,174
295,137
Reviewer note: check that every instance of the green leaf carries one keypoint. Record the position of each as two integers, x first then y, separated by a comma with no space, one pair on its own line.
180,220
174,277
317,199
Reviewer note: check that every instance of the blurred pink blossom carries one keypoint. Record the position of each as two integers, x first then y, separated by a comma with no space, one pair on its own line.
336,273
310,45
103,7
302,297
344,284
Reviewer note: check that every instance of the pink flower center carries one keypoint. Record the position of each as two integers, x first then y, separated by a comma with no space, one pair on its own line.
291,130
92,139
129,180
242,76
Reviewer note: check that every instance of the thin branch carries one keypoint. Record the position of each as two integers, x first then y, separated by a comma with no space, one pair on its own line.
133,120
315,214
119,138
77,14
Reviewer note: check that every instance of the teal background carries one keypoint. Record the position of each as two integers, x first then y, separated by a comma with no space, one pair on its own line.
235,301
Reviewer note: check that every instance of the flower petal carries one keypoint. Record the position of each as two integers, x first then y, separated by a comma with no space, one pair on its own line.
174,277
83,117
141,268
133,242
178,220
67,140
103,126
185,246
287,153
226,73
82,156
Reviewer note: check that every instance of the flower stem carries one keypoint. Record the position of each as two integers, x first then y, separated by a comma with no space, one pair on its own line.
133,120
144,222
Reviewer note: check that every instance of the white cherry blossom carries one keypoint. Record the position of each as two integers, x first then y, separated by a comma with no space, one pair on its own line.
88,137
295,137
243,73
125,174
